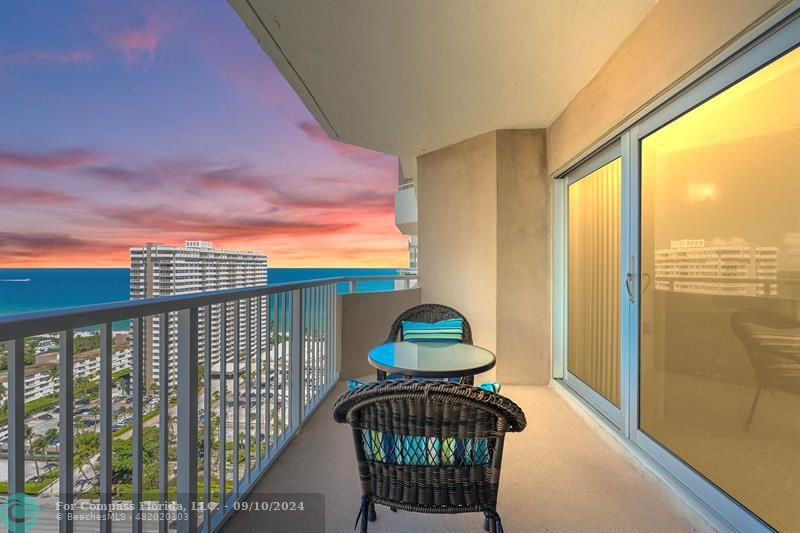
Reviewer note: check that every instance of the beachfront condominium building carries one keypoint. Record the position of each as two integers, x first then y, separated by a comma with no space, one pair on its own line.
724,268
160,270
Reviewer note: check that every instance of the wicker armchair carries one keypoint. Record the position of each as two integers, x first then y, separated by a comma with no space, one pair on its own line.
427,313
772,342
428,446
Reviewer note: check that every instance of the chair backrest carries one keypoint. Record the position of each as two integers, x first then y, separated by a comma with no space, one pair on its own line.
423,444
772,342
427,313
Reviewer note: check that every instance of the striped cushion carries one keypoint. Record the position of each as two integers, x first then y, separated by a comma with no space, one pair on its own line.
418,450
785,340
450,330
778,352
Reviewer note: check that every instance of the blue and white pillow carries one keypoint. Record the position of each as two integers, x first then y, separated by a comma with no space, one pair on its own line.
450,330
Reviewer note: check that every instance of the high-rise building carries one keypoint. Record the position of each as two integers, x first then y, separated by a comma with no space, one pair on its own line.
160,270
731,269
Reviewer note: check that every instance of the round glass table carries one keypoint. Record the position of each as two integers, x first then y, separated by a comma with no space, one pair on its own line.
431,359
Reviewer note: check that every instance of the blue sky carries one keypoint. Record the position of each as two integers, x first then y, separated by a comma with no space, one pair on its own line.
131,122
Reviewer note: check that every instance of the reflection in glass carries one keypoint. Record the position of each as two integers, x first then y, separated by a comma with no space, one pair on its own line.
720,321
594,280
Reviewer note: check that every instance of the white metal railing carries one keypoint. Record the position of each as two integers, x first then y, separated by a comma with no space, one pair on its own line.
268,357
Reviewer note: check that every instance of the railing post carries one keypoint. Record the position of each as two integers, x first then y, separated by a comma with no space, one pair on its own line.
65,427
187,419
106,349
137,369
163,418
296,370
352,286
16,421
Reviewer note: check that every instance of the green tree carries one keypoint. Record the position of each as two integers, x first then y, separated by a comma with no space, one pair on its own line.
83,386
52,376
38,447
29,437
87,446
51,434
122,459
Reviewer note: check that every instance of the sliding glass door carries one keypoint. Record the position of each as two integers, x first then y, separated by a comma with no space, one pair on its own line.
593,282
720,322
677,284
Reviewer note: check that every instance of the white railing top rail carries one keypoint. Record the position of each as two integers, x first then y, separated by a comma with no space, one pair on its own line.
42,322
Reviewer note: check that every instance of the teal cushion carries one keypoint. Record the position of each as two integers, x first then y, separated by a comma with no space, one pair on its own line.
491,386
419,451
353,384
450,330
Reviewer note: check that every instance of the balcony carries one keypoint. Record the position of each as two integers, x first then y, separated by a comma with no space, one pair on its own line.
560,473
405,208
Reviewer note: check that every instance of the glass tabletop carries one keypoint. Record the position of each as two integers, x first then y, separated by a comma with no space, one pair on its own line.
431,359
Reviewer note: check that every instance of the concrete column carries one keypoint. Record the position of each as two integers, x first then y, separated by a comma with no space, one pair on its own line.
484,238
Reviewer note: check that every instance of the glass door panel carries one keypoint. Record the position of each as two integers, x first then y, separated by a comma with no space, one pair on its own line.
720,303
593,281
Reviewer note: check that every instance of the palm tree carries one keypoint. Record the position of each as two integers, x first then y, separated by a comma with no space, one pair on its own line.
82,385
31,449
51,434
38,447
52,376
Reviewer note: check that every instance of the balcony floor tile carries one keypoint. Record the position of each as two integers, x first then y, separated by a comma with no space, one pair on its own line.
558,475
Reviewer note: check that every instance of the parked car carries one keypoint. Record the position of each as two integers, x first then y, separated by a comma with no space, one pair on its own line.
45,416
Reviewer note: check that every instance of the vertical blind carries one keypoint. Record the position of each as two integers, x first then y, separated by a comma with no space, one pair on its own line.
593,345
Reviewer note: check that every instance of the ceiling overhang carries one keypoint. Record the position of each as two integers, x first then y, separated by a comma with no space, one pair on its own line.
410,77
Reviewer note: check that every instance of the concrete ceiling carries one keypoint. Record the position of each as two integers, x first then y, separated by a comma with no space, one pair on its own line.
409,77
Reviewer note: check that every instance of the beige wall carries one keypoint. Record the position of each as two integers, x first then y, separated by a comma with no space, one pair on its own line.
365,321
484,220
523,258
457,210
673,39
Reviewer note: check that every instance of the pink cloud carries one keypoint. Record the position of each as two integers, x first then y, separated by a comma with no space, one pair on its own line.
139,44
54,160
32,57
24,195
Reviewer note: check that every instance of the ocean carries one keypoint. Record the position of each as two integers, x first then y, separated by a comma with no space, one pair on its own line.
37,289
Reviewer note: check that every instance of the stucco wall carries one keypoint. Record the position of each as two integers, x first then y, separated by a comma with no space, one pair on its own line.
365,321
457,209
523,258
484,221
671,41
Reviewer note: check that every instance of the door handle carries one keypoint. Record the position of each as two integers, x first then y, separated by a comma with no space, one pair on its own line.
629,277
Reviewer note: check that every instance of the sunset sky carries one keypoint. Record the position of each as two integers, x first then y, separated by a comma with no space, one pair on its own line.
127,123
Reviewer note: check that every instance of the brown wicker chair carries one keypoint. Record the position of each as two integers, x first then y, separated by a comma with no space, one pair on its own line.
427,313
772,342
400,428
